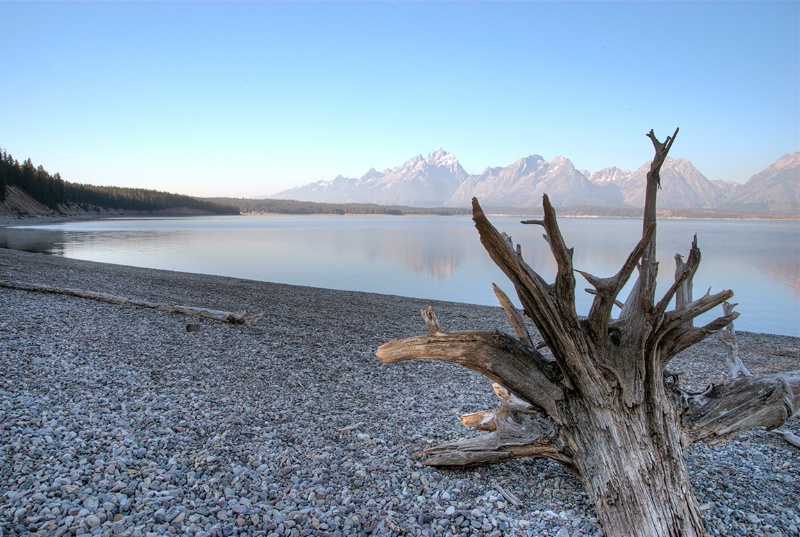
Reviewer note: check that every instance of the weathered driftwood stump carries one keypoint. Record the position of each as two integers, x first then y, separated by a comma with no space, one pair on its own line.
602,401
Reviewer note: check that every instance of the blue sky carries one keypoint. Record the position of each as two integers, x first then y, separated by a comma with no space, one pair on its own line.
246,99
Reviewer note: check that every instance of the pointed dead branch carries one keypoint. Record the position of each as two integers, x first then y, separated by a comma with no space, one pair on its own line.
684,274
649,266
539,299
661,154
546,305
429,316
675,318
607,289
565,278
513,315
685,336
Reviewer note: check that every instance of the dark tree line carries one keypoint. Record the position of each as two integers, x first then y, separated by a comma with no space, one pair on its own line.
50,190
139,199
55,193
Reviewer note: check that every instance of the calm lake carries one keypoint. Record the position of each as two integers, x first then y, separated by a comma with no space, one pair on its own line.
438,257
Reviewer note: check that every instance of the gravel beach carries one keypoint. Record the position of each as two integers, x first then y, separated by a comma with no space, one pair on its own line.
116,420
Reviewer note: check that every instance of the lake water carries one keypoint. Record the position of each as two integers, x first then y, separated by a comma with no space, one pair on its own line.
438,257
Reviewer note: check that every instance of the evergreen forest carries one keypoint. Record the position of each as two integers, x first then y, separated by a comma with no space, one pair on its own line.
56,193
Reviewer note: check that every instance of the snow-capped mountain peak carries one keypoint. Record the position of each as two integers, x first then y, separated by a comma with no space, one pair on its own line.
440,157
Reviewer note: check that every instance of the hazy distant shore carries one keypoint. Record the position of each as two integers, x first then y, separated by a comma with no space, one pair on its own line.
33,220
9,221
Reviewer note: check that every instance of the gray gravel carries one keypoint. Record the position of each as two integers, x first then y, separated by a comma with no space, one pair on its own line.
118,421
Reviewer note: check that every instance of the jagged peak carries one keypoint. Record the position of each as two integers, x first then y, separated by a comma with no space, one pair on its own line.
372,174
788,160
527,164
532,158
440,157
559,161
612,174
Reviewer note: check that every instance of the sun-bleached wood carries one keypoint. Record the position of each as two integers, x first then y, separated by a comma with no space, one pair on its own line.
216,315
605,406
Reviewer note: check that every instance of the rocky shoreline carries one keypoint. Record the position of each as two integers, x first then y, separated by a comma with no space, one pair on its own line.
118,421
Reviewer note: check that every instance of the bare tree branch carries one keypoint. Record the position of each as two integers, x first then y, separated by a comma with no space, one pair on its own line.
565,278
539,299
513,315
517,435
695,308
684,274
609,288
788,435
683,337
649,266
496,356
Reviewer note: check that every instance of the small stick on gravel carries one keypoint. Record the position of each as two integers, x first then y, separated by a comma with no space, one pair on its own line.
508,496
351,428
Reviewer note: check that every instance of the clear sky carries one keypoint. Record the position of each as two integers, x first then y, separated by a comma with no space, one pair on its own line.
246,99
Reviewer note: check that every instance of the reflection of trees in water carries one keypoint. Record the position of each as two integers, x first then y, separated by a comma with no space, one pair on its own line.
36,241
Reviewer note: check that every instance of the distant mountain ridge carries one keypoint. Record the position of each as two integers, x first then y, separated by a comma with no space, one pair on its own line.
438,180
419,182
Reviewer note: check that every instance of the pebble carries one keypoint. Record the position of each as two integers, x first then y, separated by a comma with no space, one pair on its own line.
116,421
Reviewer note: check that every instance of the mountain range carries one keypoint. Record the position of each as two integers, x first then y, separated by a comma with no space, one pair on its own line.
438,180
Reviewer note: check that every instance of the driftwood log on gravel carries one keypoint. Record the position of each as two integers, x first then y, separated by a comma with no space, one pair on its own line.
217,315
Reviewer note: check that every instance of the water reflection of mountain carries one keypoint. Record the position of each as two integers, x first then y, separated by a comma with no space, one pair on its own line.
785,272
438,265
433,254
